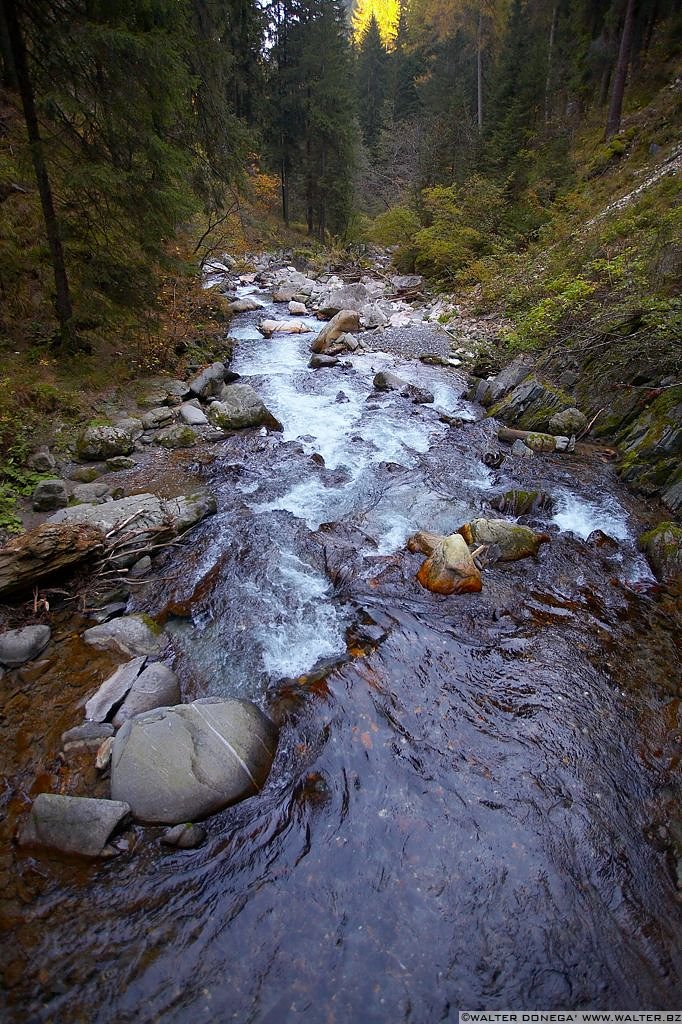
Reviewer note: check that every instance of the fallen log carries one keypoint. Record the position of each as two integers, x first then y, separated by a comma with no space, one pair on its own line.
509,435
537,440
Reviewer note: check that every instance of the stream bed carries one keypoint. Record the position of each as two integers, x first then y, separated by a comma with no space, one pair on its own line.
469,794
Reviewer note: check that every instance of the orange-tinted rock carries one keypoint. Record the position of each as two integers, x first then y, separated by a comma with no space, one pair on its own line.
514,541
449,569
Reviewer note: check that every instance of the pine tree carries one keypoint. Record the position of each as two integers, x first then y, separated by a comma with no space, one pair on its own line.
372,84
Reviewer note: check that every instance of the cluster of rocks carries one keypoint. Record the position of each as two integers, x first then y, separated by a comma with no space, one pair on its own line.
453,564
170,413
167,763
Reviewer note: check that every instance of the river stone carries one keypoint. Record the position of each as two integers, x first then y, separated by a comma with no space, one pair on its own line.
86,474
72,824
132,426
408,283
245,305
519,448
240,407
131,634
160,417
349,297
89,732
17,646
320,362
113,690
120,462
179,436
387,381
513,540
209,382
91,494
156,687
192,416
182,763
347,320
42,460
50,495
449,569
298,308
521,503
663,548
101,442
185,836
570,421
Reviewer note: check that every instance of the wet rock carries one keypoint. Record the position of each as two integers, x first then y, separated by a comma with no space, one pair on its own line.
449,569
521,503
209,382
184,837
42,460
490,391
113,690
192,416
599,539
178,436
45,550
50,495
156,687
513,540
131,634
346,321
101,442
298,308
245,305
240,407
73,824
182,763
495,459
420,396
570,421
17,646
320,362
141,568
520,448
108,611
531,405
91,494
89,732
120,462
387,381
663,549
156,418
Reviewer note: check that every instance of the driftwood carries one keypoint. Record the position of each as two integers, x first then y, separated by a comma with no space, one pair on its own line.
45,551
539,440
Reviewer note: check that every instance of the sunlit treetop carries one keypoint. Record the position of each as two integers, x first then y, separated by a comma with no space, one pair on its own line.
386,12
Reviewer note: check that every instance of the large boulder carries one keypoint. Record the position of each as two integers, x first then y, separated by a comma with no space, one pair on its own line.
209,382
182,763
160,417
511,540
408,283
133,635
192,416
570,421
49,495
156,687
449,569
387,381
663,548
240,407
46,550
269,327
17,646
245,305
178,436
101,441
347,320
73,824
91,494
349,296
42,460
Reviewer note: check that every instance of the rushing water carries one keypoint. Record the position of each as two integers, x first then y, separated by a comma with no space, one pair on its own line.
462,806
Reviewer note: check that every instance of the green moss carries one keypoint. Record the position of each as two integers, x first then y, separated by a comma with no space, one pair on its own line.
151,624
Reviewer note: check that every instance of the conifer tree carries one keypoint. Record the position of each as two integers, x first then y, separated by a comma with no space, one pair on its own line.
372,84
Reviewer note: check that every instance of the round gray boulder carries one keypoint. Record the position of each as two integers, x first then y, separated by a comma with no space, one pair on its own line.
570,421
50,495
17,646
182,763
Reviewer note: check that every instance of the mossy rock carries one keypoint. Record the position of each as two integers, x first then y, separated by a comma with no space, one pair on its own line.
663,548
179,436
531,405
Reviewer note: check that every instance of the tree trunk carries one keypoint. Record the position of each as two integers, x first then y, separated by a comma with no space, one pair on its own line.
63,306
9,78
621,73
550,54
479,68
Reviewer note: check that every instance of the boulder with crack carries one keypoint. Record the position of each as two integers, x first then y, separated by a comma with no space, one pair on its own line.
182,763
